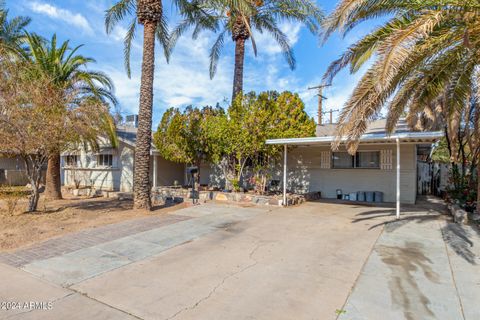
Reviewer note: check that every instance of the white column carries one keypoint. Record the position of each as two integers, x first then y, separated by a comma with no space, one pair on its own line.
155,179
285,175
398,178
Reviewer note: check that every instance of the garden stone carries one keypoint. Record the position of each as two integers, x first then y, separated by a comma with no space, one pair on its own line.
459,215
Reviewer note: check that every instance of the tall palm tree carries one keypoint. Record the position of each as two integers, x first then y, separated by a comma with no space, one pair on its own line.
148,13
11,31
425,62
238,18
68,71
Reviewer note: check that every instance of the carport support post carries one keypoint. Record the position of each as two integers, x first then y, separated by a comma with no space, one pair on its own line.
285,175
398,178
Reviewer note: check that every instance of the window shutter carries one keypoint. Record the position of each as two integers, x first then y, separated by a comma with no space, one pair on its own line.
386,159
325,157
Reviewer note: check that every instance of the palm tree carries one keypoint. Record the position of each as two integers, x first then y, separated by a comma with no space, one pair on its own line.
148,13
425,64
237,18
11,31
68,71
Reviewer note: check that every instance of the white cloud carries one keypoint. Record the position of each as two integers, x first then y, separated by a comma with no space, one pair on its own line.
118,33
75,19
266,44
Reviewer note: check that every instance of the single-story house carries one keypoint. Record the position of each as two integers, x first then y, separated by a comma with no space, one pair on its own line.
383,162
111,169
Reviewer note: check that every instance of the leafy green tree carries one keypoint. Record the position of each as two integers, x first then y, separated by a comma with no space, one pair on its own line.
12,37
425,64
182,136
68,70
249,122
237,19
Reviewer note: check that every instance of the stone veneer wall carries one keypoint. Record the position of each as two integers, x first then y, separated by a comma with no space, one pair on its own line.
162,195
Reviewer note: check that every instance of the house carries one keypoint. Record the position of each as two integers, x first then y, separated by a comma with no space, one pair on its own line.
384,163
12,171
111,169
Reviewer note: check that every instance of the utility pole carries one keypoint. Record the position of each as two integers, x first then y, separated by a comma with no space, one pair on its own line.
331,114
321,97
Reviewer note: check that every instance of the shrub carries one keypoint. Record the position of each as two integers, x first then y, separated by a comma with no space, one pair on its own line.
12,195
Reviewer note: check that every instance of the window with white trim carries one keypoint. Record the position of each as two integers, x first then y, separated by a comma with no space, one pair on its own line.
105,160
361,160
71,160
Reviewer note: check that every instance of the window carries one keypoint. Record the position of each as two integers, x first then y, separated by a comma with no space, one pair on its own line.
367,159
105,160
361,159
342,160
71,161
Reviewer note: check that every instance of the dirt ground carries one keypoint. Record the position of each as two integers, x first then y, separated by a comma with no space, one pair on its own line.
56,218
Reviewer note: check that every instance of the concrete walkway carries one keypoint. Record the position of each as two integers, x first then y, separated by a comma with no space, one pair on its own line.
422,267
225,262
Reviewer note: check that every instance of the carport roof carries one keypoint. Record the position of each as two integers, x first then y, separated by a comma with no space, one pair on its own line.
376,133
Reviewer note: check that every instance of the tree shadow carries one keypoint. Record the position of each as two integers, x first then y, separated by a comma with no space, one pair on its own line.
103,204
457,238
416,214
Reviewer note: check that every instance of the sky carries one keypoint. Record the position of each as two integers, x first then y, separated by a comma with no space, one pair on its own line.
185,80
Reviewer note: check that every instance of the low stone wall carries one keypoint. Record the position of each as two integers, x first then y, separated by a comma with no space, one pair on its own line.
162,195
461,216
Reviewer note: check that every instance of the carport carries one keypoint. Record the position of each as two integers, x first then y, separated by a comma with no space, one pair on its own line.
370,139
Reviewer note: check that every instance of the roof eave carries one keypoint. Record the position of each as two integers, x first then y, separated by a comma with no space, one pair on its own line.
427,136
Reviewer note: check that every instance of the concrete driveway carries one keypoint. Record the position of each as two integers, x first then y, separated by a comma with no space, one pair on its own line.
211,262
225,262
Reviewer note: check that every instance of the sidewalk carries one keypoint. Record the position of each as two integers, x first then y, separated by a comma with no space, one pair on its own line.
422,267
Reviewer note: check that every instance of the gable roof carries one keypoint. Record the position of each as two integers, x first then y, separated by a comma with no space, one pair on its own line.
128,135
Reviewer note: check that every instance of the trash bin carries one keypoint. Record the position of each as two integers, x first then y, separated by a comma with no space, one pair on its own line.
369,196
361,196
378,196
339,194
353,196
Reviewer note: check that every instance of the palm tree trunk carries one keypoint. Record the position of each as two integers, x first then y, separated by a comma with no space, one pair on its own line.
53,186
141,180
238,71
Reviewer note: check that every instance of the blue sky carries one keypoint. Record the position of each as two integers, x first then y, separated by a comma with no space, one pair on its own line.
185,80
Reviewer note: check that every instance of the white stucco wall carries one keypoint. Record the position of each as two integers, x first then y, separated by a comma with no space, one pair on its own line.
90,174
119,177
305,174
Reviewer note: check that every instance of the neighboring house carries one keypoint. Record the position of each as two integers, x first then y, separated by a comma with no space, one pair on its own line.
12,171
111,169
312,166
